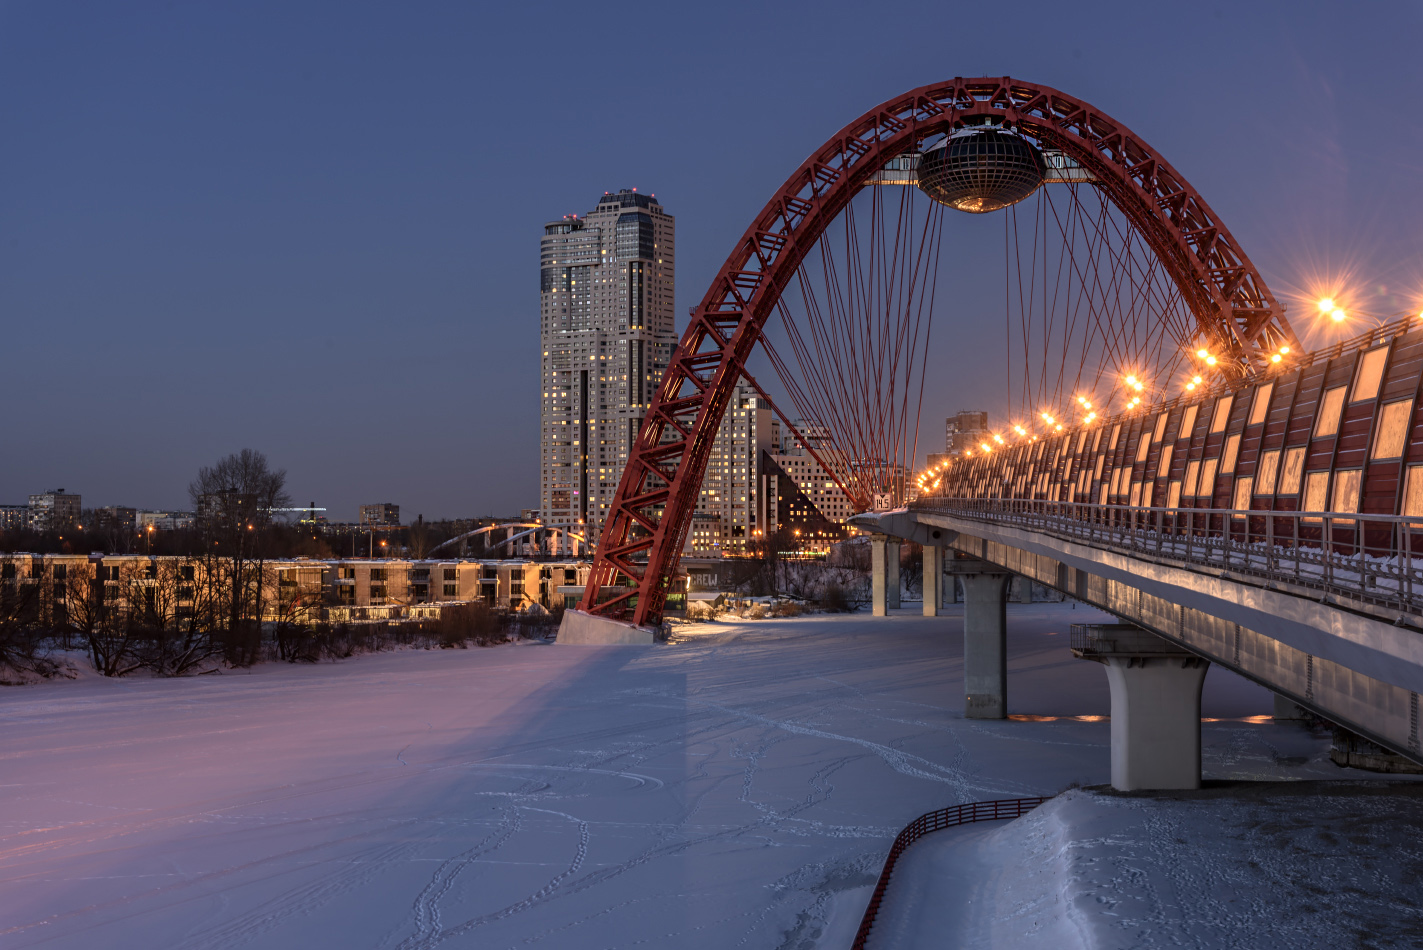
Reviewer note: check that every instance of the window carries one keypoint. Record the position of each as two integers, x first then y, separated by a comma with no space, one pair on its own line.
450,590
1241,500
1142,447
1222,414
377,574
1193,472
1329,408
1165,467
1346,493
1260,408
1370,374
1413,492
1316,498
1232,449
1207,486
1173,496
1116,431
1293,469
1392,433
1160,427
1101,460
1265,473
1135,498
449,573
1188,422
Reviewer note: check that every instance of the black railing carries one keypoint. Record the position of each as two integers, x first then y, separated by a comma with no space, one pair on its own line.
927,824
1371,559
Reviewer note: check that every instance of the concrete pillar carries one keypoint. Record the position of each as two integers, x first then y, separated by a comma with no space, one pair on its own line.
877,572
985,646
891,573
1156,705
1156,721
933,579
1288,709
1025,590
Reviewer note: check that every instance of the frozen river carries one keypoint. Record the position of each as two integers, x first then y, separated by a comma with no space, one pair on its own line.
737,788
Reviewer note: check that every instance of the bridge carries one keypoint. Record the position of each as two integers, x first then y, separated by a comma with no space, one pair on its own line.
1178,458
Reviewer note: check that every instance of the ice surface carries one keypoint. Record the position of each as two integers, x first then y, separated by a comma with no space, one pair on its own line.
736,788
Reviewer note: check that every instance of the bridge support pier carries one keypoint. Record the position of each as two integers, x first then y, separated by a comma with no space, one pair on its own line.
985,645
1156,705
884,574
933,583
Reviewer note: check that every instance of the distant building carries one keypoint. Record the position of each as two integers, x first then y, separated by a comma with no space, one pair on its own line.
13,517
380,514
607,333
54,510
163,520
116,519
964,431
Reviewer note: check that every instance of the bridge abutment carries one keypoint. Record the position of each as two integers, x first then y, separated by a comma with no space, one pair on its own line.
985,645
884,574
1156,705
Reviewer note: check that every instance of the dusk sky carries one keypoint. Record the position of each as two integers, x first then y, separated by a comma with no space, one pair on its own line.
312,228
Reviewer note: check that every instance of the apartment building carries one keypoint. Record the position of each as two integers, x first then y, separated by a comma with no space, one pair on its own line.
606,308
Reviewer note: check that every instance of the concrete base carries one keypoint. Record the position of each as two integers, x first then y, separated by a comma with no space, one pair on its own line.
933,579
1156,721
582,629
985,646
884,575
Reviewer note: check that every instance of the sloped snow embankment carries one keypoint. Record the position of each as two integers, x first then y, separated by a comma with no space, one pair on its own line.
1247,865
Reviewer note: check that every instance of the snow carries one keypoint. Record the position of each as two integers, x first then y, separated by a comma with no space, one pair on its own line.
738,787
1255,866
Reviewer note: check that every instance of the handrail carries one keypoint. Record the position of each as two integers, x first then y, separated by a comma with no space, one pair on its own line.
999,810
1368,558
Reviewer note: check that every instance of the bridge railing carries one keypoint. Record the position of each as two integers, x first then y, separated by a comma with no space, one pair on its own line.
1374,559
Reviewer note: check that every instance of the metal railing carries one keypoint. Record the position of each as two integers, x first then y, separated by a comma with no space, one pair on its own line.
927,824
1368,559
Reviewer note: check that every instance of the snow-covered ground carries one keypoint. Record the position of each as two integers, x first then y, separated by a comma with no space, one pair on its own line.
736,788
1256,867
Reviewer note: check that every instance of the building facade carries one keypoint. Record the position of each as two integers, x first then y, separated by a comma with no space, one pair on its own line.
384,513
606,315
53,510
964,430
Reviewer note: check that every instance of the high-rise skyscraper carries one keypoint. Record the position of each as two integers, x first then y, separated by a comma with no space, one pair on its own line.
606,324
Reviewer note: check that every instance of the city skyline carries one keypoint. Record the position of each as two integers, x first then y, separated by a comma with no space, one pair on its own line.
270,227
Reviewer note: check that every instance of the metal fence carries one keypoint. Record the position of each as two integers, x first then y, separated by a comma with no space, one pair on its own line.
1370,559
927,824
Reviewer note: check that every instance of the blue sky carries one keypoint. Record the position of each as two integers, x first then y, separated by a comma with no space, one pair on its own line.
312,228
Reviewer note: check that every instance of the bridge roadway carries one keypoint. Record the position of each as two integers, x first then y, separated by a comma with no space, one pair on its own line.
1337,628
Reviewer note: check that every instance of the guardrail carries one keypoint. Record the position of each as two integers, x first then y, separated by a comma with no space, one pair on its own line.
927,824
1371,559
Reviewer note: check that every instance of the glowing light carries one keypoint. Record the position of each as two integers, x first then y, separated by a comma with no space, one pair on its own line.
1203,353
1131,380
1286,350
1276,358
1196,380
1091,416
1326,304
1020,430
1337,316
998,438
1190,385
1059,427
984,446
1210,360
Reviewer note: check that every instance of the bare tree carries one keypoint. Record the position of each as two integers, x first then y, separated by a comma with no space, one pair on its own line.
234,501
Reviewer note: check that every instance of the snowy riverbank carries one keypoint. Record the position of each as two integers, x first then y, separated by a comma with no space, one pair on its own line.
738,787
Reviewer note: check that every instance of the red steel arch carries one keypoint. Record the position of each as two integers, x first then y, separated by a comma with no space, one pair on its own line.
648,520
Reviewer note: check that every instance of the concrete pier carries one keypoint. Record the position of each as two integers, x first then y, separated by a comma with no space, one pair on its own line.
933,582
985,645
884,574
1156,705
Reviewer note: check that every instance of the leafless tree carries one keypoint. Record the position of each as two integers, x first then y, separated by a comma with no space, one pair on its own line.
234,501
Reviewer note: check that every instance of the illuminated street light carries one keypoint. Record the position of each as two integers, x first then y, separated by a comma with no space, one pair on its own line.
1326,304
1210,360
1337,316
1276,358
1196,380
